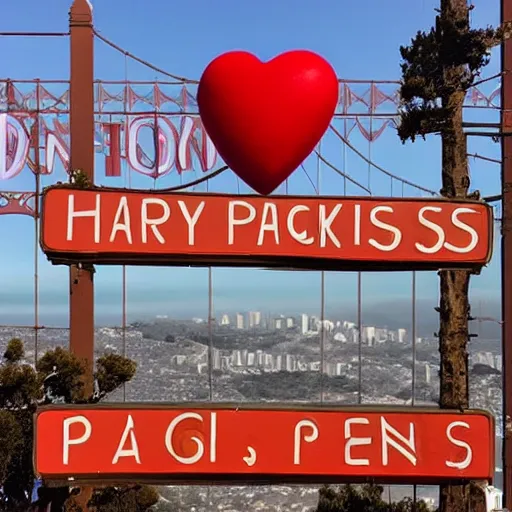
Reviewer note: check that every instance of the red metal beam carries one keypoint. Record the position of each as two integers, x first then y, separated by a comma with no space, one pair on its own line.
81,300
81,120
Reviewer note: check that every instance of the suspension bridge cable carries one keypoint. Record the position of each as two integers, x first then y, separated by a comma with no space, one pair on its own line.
144,62
378,167
341,173
309,178
213,174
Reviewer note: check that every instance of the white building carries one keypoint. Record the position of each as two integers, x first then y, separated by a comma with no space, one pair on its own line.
304,323
254,318
369,335
340,337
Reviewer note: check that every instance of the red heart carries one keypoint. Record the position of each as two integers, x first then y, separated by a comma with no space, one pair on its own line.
266,118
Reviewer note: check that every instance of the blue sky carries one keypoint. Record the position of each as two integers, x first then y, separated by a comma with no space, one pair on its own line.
361,41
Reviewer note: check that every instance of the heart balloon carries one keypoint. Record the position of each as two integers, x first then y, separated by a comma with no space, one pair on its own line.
265,118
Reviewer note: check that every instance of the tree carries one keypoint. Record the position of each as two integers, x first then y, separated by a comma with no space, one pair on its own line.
438,68
136,498
364,498
57,378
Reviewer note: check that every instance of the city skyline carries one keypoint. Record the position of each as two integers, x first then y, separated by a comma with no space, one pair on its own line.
184,291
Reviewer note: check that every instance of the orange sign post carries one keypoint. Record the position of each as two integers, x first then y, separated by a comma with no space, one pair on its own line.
229,444
134,227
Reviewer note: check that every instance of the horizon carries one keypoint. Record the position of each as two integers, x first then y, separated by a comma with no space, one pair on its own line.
184,291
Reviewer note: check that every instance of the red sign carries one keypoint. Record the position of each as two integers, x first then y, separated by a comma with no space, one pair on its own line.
122,226
226,443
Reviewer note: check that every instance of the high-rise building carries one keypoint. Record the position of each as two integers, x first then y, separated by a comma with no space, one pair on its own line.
254,318
216,357
289,322
224,320
369,335
237,358
402,335
304,323
239,321
381,335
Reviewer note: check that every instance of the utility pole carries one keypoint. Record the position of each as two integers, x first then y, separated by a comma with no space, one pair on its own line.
506,250
454,308
81,121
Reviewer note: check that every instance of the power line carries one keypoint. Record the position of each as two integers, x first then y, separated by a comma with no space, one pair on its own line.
341,173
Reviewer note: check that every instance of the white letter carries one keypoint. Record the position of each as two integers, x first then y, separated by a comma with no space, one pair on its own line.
387,227
466,228
191,221
410,443
85,213
325,225
232,222
153,222
168,438
55,147
164,140
123,210
213,437
434,227
357,224
188,142
67,442
457,442
130,452
14,146
356,441
309,439
265,226
302,236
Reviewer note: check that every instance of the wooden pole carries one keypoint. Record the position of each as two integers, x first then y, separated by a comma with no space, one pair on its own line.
506,252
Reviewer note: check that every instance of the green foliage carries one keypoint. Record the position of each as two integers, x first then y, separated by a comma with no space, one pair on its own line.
57,378
426,85
120,499
112,372
15,351
364,498
285,386
78,178
62,375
